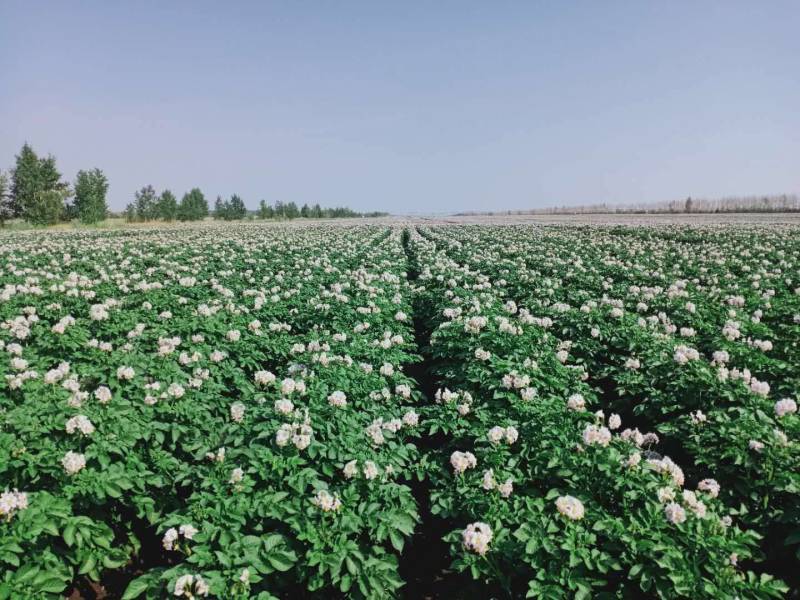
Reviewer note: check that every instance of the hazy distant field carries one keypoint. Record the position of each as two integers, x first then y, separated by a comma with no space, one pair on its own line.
623,219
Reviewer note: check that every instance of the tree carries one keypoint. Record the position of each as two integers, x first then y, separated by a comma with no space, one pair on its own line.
316,212
193,206
5,200
49,176
130,213
32,176
167,206
220,209
236,208
291,211
688,206
305,212
47,207
145,200
25,180
184,211
90,196
70,212
265,211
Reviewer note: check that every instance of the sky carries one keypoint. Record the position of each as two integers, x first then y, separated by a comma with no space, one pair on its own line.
409,107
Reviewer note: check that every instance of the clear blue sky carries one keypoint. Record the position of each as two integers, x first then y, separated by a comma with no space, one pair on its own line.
409,106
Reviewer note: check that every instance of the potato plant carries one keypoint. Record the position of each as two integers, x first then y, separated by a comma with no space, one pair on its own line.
268,411
222,412
578,499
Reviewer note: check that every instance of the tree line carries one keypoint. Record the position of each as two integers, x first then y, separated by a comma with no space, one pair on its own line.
289,210
149,206
784,203
34,190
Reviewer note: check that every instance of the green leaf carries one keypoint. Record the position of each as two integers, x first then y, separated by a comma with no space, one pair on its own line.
793,538
50,527
345,583
10,558
88,564
53,585
397,540
26,573
351,565
136,587
404,523
69,534
281,561
271,541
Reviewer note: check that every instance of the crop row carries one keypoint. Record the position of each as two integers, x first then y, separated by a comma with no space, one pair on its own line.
694,336
224,413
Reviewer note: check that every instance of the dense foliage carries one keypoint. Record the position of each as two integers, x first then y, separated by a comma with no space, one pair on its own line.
230,210
37,192
90,196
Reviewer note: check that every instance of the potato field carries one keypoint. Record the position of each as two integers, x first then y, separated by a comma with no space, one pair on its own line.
402,410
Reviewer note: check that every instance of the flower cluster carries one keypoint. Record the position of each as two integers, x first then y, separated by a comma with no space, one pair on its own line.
461,461
190,586
73,462
79,423
570,507
12,502
172,535
477,537
326,501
